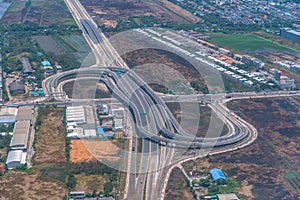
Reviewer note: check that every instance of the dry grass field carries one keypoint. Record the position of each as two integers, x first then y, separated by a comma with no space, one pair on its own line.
50,138
264,168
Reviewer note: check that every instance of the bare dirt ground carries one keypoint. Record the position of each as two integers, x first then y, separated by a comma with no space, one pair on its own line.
79,153
90,150
151,56
174,9
197,122
108,13
177,187
157,58
100,91
105,149
260,167
50,138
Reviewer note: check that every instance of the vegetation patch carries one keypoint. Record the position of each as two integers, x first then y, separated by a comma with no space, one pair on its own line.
247,43
177,188
293,179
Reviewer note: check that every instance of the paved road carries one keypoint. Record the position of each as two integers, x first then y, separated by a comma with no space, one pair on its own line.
148,181
139,181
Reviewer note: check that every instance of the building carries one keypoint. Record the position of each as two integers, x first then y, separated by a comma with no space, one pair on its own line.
16,87
27,69
286,82
227,197
290,34
77,195
38,92
16,159
21,132
46,63
8,115
24,113
102,109
100,132
75,114
118,123
217,174
90,133
276,73
118,114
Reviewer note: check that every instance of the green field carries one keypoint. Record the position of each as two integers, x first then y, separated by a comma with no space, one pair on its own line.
247,43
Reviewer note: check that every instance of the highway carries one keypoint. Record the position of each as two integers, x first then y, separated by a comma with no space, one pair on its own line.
161,137
161,133
105,55
104,52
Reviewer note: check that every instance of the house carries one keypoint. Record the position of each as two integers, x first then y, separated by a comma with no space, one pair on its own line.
217,174
16,87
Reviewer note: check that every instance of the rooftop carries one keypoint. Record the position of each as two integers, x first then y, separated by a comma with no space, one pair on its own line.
46,63
217,174
24,113
20,137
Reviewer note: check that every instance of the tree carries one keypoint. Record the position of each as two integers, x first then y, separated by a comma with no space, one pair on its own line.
204,182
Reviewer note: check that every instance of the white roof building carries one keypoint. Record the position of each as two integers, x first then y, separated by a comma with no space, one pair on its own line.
16,159
75,114
19,140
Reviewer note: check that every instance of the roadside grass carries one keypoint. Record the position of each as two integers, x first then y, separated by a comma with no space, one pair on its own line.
293,179
247,43
16,6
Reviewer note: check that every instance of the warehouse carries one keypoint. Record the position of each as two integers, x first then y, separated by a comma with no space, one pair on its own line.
15,159
19,140
7,115
24,113
217,174
75,114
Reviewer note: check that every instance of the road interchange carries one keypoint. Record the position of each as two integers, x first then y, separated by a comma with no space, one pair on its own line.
160,132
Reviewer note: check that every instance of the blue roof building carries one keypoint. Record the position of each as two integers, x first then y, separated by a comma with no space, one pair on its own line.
217,174
100,131
46,63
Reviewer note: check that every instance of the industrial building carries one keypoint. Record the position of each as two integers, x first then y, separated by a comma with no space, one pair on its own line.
15,159
21,131
24,113
217,174
8,115
75,114
290,34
